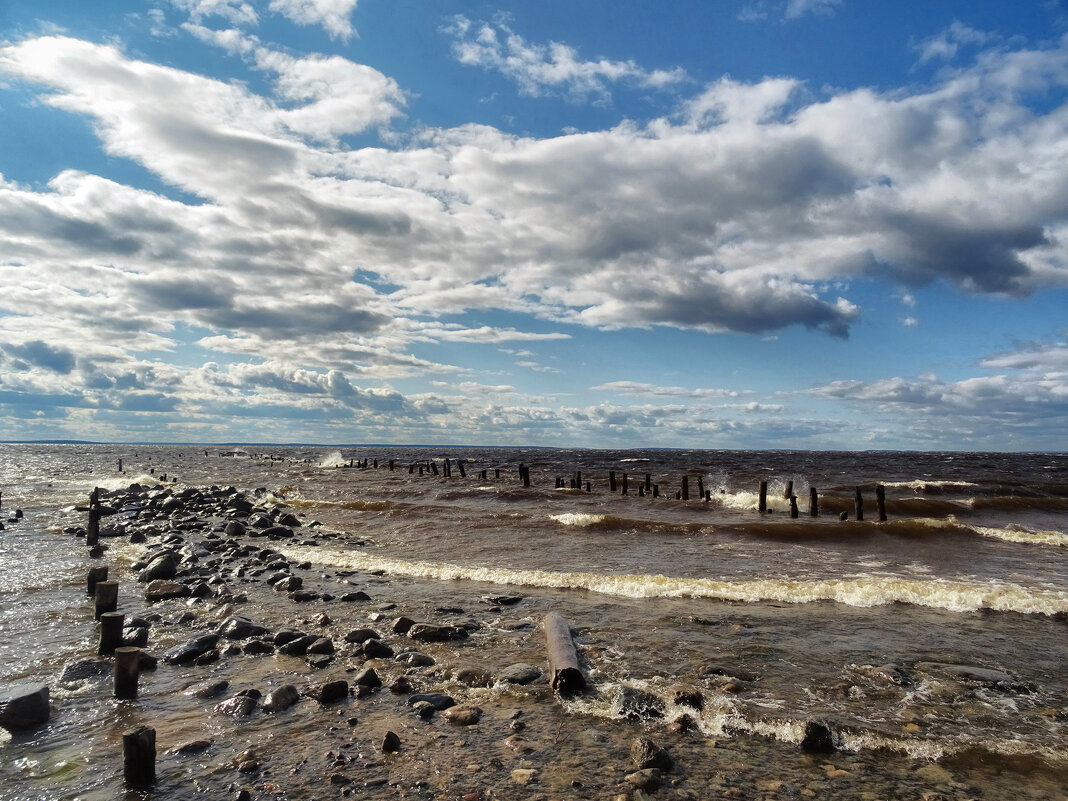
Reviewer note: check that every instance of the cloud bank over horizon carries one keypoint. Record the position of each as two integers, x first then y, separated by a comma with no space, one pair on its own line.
316,258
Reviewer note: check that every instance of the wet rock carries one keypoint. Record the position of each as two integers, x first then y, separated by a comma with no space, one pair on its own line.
240,628
969,672
301,596
647,779
424,709
402,685
237,707
504,600
208,657
257,647
359,636
818,739
431,632
163,589
368,678
299,646
86,669
331,691
359,595
391,743
163,565
462,715
281,699
278,532
415,659
402,625
691,698
519,673
644,753
23,706
191,650
286,636
208,689
135,637
439,701
635,704
322,645
289,584
289,519
474,677
523,776
234,528
192,747
376,649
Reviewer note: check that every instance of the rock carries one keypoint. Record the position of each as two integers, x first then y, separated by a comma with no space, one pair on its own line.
519,673
289,519
401,685
646,779
135,637
206,658
299,646
322,645
362,635
359,595
368,678
161,566
376,649
86,669
818,738
162,589
645,753
192,747
234,528
439,701
523,776
23,706
462,715
969,672
237,707
281,699
301,596
424,709
208,689
474,677
430,632
289,584
635,704
332,691
504,600
191,650
415,659
402,625
256,647
277,532
391,743
240,628
286,636
691,698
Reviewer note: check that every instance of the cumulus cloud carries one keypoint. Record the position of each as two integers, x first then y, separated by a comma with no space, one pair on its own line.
945,45
540,69
335,16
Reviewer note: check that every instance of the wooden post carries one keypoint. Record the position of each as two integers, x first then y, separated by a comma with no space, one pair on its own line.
120,465
434,467
708,496
656,490
611,480
460,464
686,488
92,532
793,507
139,756
880,502
700,486
110,632
648,483
624,484
858,505
813,502
588,488
641,490
496,472
762,503
564,672
96,575
391,465
106,597
789,491
127,669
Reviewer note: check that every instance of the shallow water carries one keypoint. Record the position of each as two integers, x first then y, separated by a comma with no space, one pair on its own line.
773,621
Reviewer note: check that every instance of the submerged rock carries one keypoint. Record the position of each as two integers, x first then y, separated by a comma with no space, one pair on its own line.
430,632
23,706
191,650
645,753
519,673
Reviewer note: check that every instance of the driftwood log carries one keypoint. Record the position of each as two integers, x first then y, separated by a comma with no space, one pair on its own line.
565,676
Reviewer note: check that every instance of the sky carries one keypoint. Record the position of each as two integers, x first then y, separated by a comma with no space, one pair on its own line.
810,224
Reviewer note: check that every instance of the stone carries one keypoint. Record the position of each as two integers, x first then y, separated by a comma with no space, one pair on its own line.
376,649
257,647
234,528
431,632
136,637
23,706
474,677
289,584
301,596
368,678
818,738
462,715
191,650
523,776
644,753
86,669
163,589
289,519
277,532
299,646
970,672
402,625
646,779
519,673
391,743
402,685
161,566
359,595
362,635
280,699
332,691
322,645
439,701
208,689
240,628
192,747
635,704
287,635
237,707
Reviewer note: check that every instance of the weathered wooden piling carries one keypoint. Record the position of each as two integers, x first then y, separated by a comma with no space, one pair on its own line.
120,465
813,502
858,505
139,756
497,472
411,469
110,632
700,486
656,490
685,488
106,597
762,502
789,490
793,507
623,485
524,475
96,575
565,676
611,480
434,467
391,465
127,670
460,467
880,502
648,482
92,530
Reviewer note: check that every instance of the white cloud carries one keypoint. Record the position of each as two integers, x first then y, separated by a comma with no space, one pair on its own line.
639,389
333,15
236,12
539,69
798,8
946,44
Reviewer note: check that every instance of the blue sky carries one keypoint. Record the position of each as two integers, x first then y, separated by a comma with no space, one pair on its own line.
825,224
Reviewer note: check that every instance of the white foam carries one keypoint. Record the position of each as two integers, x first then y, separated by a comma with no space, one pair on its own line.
579,519
333,459
859,591
1021,534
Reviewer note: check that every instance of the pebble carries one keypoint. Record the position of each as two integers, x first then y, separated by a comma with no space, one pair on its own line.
462,715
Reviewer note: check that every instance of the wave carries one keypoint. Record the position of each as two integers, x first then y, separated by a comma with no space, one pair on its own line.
861,591
357,506
333,459
605,521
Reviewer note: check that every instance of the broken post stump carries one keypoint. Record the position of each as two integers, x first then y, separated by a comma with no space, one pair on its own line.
127,670
611,480
96,575
793,507
880,502
762,503
858,505
139,756
686,488
565,676
110,632
106,597
813,502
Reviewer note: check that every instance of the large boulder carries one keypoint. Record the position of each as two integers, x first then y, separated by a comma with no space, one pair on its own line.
163,565
23,706
161,590
430,632
240,628
191,650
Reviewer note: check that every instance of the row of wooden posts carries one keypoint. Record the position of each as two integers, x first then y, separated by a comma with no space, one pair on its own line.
139,744
814,503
